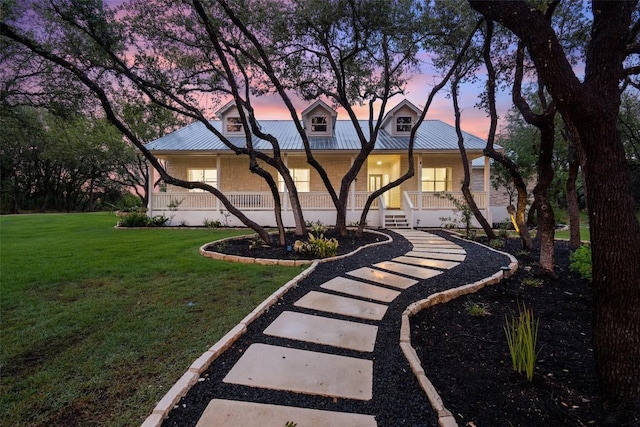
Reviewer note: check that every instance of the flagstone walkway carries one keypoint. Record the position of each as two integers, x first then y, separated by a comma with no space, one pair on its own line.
337,376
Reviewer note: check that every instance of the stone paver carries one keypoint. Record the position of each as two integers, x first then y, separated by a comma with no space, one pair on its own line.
431,249
435,255
248,414
360,289
409,270
422,262
342,305
323,330
383,277
302,371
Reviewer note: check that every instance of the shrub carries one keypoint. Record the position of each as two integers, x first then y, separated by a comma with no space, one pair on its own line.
210,223
140,219
522,336
157,221
134,219
319,246
581,262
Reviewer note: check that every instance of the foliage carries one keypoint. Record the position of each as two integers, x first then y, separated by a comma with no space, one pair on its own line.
210,223
89,313
497,243
256,243
581,262
476,308
522,336
319,246
461,208
290,424
140,219
316,228
51,162
532,282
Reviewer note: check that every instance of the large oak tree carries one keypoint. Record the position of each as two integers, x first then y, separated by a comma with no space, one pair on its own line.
591,105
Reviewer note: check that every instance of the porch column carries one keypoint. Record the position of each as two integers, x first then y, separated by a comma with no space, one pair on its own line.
487,188
420,182
152,179
352,195
285,192
218,180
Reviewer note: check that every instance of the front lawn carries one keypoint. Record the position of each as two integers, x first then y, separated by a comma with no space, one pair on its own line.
98,323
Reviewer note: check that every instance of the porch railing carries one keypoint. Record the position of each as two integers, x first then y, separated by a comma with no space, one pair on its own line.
440,201
251,201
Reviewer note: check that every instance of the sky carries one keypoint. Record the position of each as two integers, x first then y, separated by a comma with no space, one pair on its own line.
473,120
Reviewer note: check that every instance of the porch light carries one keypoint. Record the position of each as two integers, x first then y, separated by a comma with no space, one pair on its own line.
379,162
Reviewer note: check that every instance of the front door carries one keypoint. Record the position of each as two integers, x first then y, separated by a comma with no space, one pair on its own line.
376,181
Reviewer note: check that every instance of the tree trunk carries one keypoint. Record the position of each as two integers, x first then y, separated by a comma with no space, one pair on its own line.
546,219
615,244
572,197
465,164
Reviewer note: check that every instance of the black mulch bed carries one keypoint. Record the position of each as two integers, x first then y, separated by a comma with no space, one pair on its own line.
465,357
246,246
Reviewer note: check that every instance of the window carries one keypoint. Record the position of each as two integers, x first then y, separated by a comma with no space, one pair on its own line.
436,179
301,178
403,124
208,176
319,124
234,124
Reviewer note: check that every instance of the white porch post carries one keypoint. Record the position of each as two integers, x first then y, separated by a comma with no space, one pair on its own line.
420,182
218,180
150,186
285,193
352,191
487,187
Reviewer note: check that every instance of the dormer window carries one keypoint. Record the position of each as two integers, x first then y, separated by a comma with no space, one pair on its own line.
319,124
403,124
234,125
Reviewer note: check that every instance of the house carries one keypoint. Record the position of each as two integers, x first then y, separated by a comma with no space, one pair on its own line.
195,153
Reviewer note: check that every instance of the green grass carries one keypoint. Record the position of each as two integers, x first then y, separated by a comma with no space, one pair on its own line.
99,323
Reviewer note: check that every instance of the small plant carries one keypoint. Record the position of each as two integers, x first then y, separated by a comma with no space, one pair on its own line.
256,243
522,336
581,262
319,246
357,223
157,221
226,216
210,223
290,424
496,243
317,228
503,231
532,282
476,308
522,253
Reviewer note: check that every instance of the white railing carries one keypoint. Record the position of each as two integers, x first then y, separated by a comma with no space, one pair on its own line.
440,201
250,201
309,201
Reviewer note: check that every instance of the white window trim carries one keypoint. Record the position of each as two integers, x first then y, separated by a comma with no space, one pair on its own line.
404,124
233,121
199,175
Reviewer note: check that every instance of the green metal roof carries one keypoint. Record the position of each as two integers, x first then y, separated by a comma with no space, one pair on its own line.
431,135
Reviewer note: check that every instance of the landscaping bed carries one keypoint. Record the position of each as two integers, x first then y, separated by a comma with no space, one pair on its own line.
467,358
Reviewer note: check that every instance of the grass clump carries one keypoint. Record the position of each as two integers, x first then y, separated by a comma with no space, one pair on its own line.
522,337
476,309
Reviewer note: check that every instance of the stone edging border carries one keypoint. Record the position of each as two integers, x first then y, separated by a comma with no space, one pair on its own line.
202,363
285,262
445,418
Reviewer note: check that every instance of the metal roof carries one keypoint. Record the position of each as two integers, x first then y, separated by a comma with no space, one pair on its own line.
431,135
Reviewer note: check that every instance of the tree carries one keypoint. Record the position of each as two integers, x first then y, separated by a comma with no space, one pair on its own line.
591,106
